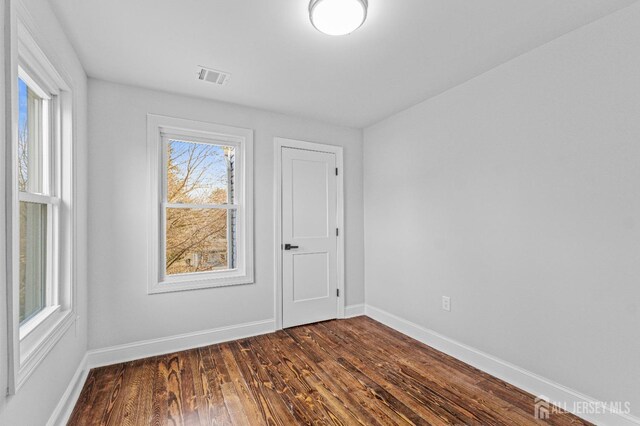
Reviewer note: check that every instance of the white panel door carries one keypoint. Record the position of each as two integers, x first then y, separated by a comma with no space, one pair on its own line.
309,242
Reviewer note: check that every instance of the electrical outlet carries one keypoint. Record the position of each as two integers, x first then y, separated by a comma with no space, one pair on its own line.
446,303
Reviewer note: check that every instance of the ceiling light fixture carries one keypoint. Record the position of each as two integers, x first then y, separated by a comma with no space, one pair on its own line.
337,17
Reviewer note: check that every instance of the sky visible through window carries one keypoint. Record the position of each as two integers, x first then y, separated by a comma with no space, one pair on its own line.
203,167
22,106
23,135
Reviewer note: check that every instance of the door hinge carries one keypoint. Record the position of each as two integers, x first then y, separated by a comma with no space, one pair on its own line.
336,171
337,232
338,292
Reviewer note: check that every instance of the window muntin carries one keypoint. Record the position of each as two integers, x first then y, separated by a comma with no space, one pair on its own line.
200,226
36,177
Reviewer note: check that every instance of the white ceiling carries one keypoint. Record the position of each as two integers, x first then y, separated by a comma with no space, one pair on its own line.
407,50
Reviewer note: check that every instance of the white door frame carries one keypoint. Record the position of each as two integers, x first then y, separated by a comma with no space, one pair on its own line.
280,143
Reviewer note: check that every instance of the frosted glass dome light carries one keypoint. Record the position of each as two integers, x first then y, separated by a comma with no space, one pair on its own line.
337,17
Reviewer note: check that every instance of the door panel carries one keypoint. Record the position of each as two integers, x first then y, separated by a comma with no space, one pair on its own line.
309,219
309,199
311,273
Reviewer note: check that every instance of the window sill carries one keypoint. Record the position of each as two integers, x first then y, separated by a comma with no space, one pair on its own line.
33,324
190,282
37,339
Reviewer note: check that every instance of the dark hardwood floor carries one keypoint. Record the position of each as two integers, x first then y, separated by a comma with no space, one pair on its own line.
346,372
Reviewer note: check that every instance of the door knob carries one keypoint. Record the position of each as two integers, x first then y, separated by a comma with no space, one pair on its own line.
289,247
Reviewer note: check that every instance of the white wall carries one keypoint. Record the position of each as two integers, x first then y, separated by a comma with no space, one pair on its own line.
36,400
517,194
3,235
120,309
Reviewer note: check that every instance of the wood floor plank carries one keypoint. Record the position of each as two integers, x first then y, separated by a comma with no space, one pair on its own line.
144,406
115,397
177,410
250,406
234,405
132,411
198,378
211,388
346,372
160,405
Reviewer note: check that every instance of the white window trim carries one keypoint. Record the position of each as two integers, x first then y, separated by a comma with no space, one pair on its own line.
29,344
242,140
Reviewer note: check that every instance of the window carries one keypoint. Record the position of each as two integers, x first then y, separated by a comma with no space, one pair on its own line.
200,219
37,201
40,306
202,205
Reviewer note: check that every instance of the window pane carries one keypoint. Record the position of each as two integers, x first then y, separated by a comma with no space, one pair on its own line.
200,173
33,255
31,131
199,240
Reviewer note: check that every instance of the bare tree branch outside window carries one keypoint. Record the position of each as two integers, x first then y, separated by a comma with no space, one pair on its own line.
198,239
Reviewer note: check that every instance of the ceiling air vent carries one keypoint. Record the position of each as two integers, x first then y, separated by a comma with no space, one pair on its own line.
213,76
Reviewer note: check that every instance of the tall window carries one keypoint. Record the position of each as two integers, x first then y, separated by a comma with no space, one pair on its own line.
200,223
37,177
41,223
201,214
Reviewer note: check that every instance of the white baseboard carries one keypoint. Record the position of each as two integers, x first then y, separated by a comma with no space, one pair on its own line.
181,342
65,406
508,372
354,310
